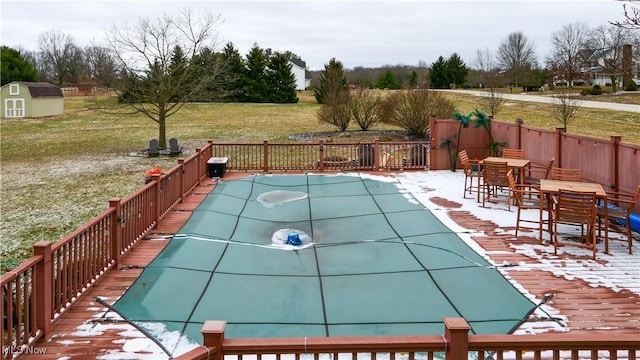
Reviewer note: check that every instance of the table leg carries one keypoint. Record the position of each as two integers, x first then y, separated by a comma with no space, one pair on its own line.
606,226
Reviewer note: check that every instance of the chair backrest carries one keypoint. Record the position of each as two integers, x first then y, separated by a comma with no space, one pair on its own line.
173,144
517,194
495,173
566,174
576,207
549,166
513,153
154,149
464,160
174,149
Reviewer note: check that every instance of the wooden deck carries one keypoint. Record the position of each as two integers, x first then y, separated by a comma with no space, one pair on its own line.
88,331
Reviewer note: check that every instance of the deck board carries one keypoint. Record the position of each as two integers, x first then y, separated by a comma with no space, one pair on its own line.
585,309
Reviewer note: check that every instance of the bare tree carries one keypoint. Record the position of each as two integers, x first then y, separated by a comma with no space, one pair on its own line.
516,56
57,55
565,57
631,16
492,100
607,42
161,85
101,65
566,106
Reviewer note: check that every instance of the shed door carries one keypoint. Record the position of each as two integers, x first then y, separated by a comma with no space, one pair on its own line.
13,108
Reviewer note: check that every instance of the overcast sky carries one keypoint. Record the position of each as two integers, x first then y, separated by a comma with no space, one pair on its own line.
357,33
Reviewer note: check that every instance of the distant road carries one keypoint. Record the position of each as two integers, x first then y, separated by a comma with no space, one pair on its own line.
551,100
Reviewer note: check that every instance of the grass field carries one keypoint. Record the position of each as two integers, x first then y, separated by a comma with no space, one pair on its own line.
59,172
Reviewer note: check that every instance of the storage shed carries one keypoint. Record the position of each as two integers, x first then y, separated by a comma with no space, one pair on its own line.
30,99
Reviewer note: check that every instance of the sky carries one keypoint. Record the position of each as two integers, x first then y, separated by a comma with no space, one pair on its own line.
357,33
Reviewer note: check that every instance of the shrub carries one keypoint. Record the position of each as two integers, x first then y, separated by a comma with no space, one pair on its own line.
631,86
585,92
335,111
596,90
365,105
412,109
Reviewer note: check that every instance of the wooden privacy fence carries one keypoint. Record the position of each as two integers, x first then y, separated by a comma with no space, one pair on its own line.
454,344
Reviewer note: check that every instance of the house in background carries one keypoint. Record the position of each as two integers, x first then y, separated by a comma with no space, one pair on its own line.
302,75
30,99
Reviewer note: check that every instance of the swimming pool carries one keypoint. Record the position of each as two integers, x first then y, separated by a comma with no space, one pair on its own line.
372,260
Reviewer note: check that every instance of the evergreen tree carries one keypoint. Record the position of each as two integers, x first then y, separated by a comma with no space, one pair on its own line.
15,67
256,88
280,79
233,73
210,64
438,74
176,74
388,80
333,82
456,70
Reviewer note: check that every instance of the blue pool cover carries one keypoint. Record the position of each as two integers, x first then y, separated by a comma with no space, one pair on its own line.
318,255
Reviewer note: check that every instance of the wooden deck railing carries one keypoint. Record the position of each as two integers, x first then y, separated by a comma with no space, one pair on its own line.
454,344
323,156
38,290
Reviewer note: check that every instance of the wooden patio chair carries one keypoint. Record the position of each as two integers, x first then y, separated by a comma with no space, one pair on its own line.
494,176
154,149
469,174
574,208
513,153
537,172
386,161
174,149
528,197
566,174
620,211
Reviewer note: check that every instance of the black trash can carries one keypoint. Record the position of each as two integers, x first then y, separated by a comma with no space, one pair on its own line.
216,166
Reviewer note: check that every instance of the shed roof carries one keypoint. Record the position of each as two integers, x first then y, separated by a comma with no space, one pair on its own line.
42,89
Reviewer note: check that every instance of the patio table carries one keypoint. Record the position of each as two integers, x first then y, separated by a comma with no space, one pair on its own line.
511,163
549,187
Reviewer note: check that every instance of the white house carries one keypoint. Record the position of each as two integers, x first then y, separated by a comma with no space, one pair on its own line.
299,70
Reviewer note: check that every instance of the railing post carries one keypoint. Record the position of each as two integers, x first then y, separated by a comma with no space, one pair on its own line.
116,231
213,333
201,169
43,288
433,163
615,164
559,132
321,151
376,154
210,148
265,150
158,196
456,334
182,190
